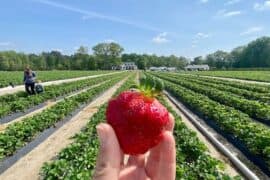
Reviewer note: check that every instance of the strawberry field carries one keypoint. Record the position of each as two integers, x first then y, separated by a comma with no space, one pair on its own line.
240,111
67,114
16,77
263,76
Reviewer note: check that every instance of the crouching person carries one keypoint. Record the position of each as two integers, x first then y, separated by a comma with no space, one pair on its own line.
29,81
39,88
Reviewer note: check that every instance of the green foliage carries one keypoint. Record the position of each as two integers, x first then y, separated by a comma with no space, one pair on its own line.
192,158
79,158
263,76
20,101
20,133
253,55
255,136
16,77
108,54
77,161
253,108
151,86
145,61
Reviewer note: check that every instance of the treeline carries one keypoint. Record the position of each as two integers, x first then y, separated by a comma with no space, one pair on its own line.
145,61
256,54
105,55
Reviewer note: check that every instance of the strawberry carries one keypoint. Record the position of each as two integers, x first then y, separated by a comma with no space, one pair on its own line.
138,119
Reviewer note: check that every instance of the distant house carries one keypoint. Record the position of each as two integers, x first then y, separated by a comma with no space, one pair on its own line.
203,67
171,68
162,68
126,66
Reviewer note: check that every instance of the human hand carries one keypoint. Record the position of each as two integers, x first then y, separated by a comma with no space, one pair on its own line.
158,163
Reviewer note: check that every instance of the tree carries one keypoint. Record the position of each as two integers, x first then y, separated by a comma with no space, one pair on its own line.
198,60
108,54
82,50
219,59
256,53
236,56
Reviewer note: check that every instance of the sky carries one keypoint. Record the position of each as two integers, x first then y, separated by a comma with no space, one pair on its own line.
181,27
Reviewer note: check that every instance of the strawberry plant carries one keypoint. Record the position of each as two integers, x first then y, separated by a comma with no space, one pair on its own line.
77,161
255,109
248,94
255,136
16,76
20,133
15,102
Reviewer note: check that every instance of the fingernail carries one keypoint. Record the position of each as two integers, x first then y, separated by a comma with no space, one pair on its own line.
101,134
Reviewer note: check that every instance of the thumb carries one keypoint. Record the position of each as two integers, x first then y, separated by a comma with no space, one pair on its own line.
110,155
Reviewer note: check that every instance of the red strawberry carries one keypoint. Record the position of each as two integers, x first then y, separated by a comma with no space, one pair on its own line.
139,121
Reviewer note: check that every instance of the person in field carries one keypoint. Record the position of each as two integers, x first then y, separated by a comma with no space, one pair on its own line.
29,81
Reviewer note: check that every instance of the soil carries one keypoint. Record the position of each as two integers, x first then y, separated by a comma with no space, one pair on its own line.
229,169
10,90
28,167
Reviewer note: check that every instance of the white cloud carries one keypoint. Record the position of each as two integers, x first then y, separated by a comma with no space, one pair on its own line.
198,37
231,2
59,50
86,14
226,14
161,38
262,6
204,1
252,30
201,35
110,41
5,43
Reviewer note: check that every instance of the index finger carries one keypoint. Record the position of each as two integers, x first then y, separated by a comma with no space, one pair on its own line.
170,124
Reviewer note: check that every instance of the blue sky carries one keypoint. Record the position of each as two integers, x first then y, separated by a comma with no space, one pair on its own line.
181,27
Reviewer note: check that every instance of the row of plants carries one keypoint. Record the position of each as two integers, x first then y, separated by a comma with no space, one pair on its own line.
255,136
263,76
255,109
247,86
77,161
16,77
14,103
20,133
192,156
262,97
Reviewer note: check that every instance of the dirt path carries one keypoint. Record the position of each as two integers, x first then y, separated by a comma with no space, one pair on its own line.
229,169
10,90
28,166
237,80
49,104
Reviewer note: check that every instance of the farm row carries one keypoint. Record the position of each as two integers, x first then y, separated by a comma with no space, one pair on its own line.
228,108
263,76
77,161
20,133
239,99
21,101
16,77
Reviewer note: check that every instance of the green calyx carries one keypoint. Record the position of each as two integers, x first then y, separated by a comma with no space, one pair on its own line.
150,86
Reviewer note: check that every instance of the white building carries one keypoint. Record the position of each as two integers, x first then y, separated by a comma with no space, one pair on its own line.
203,67
171,69
126,66
163,68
